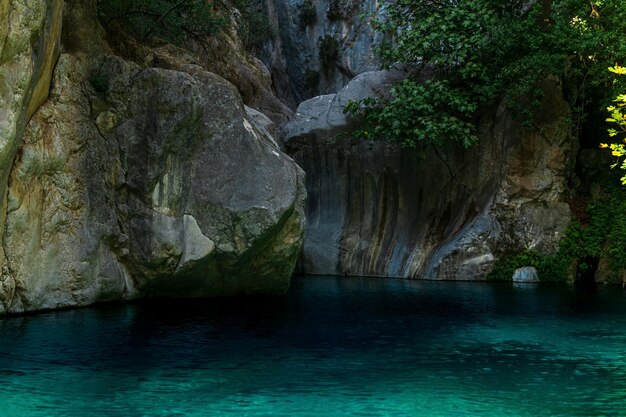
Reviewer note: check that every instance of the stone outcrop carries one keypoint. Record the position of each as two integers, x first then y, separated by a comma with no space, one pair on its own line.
137,181
251,77
377,210
223,54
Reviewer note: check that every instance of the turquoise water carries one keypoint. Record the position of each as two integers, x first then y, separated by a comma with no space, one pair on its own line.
332,347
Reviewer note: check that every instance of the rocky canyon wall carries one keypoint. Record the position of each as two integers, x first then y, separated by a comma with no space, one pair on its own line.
375,209
320,45
133,180
132,171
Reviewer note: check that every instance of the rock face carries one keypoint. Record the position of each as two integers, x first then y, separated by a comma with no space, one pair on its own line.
223,54
139,181
130,171
29,46
322,45
377,210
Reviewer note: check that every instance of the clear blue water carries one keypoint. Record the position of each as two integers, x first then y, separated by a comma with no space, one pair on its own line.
332,347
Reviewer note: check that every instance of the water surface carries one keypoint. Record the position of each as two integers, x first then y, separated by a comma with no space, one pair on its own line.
332,347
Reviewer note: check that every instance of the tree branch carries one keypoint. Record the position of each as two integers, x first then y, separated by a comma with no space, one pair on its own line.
163,16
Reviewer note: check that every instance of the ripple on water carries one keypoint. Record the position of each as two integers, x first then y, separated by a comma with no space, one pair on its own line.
333,346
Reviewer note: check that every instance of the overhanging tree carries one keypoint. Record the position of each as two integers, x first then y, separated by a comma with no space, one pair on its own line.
465,54
172,20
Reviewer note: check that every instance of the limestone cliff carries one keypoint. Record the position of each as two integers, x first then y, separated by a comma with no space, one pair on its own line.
137,181
375,209
320,45
29,46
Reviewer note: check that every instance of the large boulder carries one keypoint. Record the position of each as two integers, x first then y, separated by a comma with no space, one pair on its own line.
137,181
223,53
375,209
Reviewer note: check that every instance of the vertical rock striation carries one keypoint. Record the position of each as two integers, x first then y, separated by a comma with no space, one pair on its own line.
377,210
321,53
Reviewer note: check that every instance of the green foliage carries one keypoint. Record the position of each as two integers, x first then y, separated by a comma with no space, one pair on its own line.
606,235
176,20
342,9
254,28
603,235
257,31
328,53
172,20
418,113
311,80
617,117
549,268
476,52
307,13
